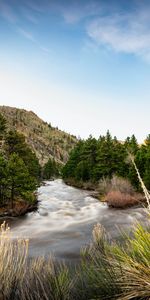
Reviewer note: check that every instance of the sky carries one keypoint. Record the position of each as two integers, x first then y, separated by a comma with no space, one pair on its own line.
83,66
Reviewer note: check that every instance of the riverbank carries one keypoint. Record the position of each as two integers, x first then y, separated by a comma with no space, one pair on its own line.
122,196
20,208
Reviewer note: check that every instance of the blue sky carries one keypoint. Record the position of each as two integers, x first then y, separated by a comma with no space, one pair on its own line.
84,66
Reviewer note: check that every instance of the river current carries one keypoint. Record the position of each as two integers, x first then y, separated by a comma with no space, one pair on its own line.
65,218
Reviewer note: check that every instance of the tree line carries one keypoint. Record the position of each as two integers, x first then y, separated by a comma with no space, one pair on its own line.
93,159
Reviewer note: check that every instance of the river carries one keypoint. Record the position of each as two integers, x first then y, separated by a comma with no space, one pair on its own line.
65,218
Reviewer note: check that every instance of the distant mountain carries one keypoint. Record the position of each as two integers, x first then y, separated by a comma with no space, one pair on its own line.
46,141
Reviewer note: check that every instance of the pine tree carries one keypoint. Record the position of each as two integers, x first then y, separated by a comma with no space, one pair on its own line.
15,143
19,179
50,169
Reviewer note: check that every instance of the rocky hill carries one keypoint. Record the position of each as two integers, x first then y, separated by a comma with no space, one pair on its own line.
45,140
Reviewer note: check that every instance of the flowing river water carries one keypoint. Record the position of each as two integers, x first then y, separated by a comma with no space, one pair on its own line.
65,218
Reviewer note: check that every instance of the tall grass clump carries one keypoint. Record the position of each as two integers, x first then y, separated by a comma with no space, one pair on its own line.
134,259
24,279
97,276
13,257
111,271
47,281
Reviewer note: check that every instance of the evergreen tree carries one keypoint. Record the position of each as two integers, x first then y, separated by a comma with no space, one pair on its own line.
88,159
50,169
15,143
19,180
104,161
131,144
69,169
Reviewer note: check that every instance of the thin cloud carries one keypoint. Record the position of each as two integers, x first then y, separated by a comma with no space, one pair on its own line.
28,35
127,33
45,49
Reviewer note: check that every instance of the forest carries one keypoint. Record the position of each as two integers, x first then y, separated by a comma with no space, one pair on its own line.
92,159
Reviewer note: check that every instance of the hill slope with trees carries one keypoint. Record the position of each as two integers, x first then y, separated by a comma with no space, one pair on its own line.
46,141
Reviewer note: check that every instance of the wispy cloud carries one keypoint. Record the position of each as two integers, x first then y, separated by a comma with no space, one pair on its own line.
119,27
45,49
127,32
28,35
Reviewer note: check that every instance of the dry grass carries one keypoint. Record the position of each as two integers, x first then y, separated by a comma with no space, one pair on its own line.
118,199
115,184
25,279
13,257
118,192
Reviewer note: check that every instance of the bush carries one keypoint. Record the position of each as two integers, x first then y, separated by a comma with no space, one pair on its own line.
118,199
118,192
115,184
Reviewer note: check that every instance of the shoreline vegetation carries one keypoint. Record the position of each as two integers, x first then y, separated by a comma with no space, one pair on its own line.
117,172
110,193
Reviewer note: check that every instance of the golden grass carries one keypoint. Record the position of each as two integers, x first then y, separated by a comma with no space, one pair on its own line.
25,279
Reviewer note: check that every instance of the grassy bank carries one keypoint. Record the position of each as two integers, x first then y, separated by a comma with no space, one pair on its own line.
107,270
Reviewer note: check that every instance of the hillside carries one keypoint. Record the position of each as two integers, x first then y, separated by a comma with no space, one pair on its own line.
45,140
